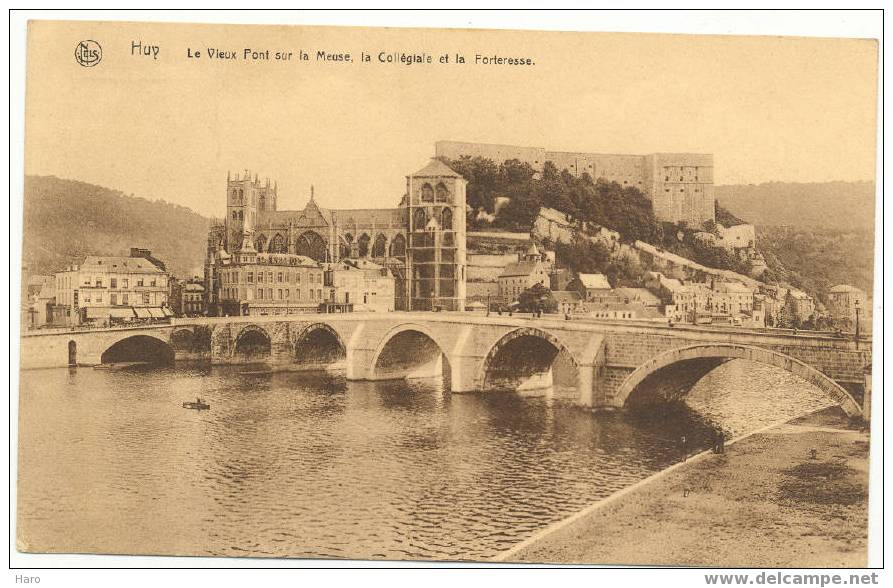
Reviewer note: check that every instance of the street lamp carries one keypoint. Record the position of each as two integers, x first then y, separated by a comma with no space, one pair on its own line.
856,304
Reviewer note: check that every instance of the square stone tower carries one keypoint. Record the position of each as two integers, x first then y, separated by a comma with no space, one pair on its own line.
435,255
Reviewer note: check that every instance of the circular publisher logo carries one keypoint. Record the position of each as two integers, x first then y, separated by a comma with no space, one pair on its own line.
88,53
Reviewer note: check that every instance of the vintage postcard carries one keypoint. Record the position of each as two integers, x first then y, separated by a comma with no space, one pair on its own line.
447,295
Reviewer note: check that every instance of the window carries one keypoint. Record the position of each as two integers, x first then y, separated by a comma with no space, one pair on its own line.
250,277
260,277
427,193
99,297
270,277
286,293
312,294
146,299
139,282
113,283
113,299
152,283
446,222
298,293
260,293
124,298
99,282
86,297
298,278
125,283
279,277
269,293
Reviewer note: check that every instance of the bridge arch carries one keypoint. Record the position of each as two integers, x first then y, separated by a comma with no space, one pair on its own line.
409,351
183,339
677,370
142,348
252,343
317,346
524,358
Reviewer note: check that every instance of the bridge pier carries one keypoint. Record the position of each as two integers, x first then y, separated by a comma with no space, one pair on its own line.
586,386
611,359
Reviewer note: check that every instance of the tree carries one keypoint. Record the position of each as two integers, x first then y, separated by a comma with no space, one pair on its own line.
537,298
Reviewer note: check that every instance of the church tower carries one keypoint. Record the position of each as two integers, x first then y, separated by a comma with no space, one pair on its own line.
435,217
247,199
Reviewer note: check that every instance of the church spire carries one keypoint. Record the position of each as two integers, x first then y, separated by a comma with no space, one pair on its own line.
311,192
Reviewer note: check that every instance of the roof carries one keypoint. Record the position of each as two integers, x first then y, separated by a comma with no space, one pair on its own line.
733,287
131,264
641,310
594,281
520,268
436,167
642,295
361,265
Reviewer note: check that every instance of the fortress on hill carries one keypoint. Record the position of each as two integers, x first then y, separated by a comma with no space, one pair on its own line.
680,185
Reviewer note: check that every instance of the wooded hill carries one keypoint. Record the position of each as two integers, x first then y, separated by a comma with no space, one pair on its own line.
64,220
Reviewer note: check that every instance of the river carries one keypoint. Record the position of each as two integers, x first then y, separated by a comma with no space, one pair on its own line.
309,465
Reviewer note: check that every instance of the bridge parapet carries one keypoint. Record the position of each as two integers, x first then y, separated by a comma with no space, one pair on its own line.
605,353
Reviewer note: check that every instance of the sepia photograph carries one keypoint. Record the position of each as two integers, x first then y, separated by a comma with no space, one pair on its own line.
327,293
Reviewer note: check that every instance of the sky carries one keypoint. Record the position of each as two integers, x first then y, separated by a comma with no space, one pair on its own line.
171,127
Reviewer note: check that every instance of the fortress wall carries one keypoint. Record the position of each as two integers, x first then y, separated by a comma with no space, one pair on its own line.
627,170
535,156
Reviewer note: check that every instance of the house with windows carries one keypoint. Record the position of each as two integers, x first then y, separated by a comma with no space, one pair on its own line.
361,284
253,283
594,288
108,289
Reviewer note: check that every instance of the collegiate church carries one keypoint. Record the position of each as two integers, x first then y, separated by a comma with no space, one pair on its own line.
421,241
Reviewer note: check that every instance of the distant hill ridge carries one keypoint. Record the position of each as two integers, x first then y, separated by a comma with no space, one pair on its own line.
843,206
64,220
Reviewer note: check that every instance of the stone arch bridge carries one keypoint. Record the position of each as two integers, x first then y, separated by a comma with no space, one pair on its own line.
605,363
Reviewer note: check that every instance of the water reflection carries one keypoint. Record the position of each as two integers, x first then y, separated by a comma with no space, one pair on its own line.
309,465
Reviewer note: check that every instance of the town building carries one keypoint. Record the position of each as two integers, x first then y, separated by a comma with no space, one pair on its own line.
798,307
187,298
252,283
109,289
39,297
843,300
519,276
362,284
569,301
421,241
594,288
641,296
679,185
625,311
525,273
716,302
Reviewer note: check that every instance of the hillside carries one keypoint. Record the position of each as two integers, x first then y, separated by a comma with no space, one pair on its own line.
816,260
842,206
65,220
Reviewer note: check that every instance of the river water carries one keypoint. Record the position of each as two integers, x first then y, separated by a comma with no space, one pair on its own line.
309,465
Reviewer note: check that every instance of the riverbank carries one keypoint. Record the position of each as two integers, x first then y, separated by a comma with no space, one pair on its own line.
765,502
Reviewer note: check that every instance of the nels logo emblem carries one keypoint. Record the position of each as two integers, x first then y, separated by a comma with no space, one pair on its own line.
88,53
